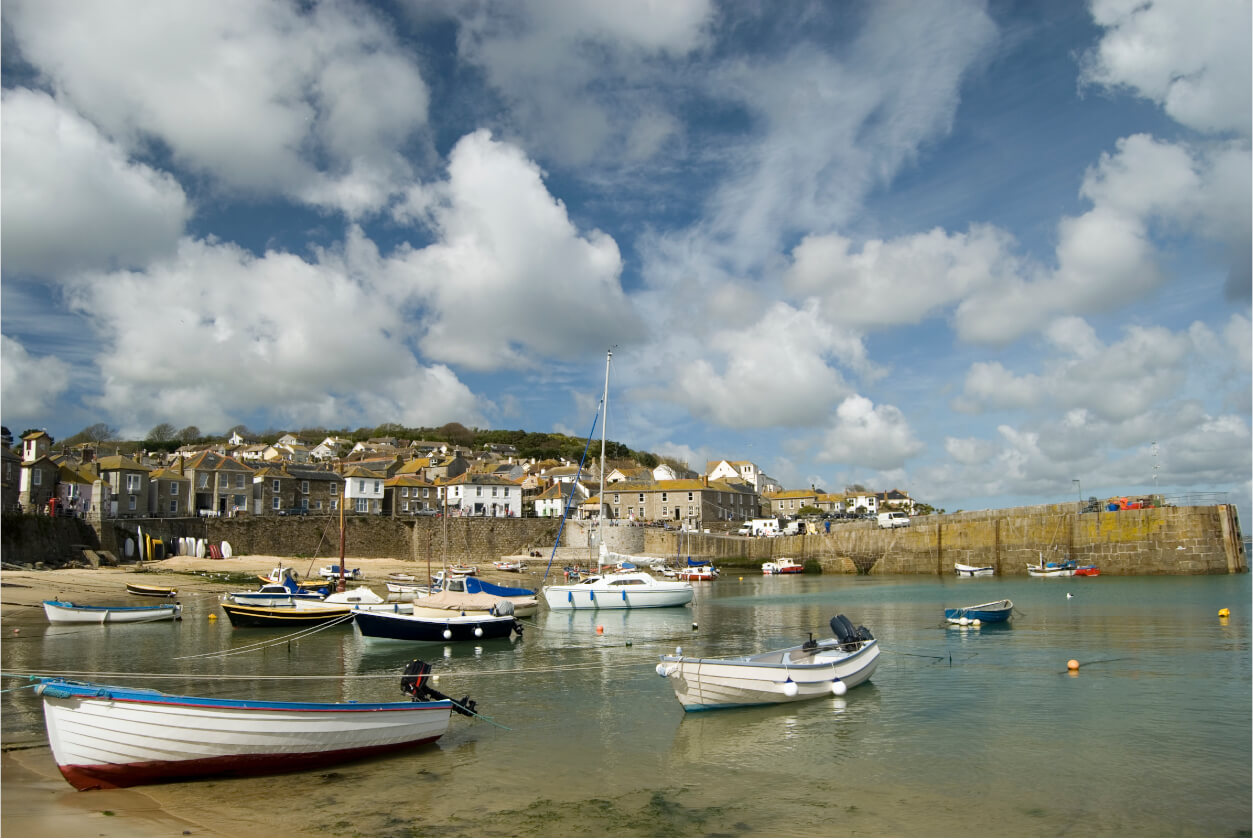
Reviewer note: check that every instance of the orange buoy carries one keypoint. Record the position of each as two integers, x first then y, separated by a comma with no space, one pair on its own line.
1072,665
600,630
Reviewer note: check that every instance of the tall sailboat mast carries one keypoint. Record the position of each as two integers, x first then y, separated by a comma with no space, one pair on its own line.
600,512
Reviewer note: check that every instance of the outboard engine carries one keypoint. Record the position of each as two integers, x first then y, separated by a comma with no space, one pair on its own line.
844,632
863,634
503,607
414,683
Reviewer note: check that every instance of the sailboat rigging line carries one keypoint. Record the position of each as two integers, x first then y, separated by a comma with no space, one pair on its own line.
248,648
573,486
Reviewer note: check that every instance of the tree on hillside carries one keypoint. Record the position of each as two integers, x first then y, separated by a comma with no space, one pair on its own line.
94,434
161,433
190,434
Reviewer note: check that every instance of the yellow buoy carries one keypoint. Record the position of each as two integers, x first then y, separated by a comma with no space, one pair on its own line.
1224,613
1072,665
212,616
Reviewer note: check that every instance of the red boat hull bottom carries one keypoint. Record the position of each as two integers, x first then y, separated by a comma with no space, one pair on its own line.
115,775
1087,572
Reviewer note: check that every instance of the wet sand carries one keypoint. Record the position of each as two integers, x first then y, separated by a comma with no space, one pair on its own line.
34,799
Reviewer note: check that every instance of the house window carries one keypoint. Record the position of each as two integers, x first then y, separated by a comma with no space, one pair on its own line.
665,497
424,492
493,492
239,501
274,485
478,491
404,493
641,498
304,486
690,497
36,477
204,481
360,487
239,482
174,506
363,505
132,483
276,502
132,502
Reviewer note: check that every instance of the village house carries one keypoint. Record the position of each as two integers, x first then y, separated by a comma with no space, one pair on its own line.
688,502
77,485
363,490
409,494
480,494
789,502
169,493
220,485
127,483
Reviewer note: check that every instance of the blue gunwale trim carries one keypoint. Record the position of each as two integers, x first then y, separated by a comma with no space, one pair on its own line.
144,696
156,607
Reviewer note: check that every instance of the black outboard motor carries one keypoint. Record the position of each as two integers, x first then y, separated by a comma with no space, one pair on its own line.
415,683
844,632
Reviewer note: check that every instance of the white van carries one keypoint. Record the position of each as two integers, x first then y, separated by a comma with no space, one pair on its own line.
894,518
760,527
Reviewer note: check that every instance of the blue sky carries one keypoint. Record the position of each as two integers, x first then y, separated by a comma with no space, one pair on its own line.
975,251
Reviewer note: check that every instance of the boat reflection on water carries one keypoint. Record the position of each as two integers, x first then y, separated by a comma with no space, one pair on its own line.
634,625
735,737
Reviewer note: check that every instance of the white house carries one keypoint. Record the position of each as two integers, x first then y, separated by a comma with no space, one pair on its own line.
742,470
363,490
480,494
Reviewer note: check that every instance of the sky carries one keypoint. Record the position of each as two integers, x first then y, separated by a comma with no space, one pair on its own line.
988,253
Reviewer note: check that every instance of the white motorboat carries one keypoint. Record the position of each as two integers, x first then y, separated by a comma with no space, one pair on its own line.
104,736
636,590
782,565
811,670
363,597
974,570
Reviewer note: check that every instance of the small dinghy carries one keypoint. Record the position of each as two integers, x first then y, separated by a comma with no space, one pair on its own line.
998,611
974,570
151,591
104,736
811,670
62,611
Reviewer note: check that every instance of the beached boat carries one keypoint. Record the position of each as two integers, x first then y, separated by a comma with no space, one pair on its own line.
974,570
998,611
103,736
63,611
280,616
385,626
463,570
782,565
151,591
331,572
406,589
1087,571
811,670
400,577
509,565
1052,569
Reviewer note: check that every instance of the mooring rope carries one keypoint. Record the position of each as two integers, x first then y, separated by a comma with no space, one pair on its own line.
285,639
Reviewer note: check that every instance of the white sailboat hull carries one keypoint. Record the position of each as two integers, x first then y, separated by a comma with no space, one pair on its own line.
619,591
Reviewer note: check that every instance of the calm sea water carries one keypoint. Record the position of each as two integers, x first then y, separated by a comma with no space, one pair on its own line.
977,732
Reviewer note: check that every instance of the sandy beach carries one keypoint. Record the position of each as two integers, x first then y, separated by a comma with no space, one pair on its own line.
36,800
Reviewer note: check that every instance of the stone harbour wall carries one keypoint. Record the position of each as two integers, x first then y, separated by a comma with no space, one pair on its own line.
1161,540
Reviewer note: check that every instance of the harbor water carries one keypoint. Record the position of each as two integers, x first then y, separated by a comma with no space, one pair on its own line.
975,731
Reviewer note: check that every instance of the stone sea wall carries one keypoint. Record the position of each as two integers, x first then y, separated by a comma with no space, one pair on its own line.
1162,540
